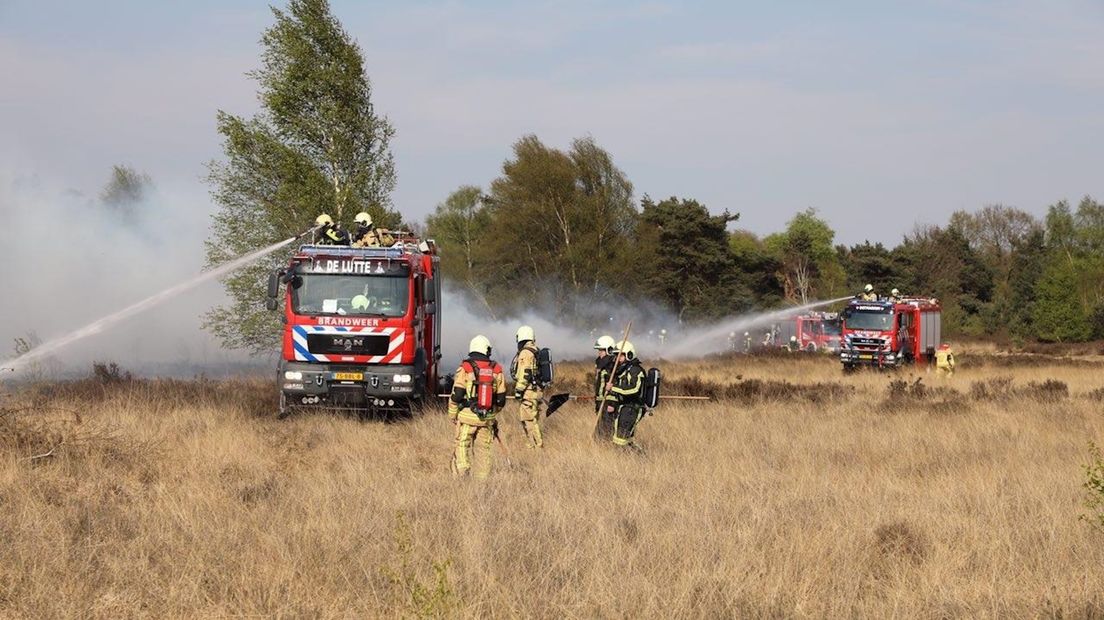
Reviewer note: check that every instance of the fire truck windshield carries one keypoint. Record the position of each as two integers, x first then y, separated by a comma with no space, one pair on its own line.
868,321
354,295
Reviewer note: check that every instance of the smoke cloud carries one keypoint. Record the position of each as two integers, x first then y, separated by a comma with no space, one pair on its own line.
71,258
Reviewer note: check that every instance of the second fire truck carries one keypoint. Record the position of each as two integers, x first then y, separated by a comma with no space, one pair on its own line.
890,333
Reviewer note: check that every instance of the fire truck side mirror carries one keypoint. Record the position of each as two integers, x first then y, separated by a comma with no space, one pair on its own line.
273,284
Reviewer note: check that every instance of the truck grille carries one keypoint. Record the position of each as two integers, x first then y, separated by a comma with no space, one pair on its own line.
349,343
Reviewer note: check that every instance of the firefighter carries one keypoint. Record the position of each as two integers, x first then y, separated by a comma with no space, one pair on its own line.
328,233
603,364
894,296
527,389
747,342
868,293
732,341
368,236
944,360
623,404
478,393
794,346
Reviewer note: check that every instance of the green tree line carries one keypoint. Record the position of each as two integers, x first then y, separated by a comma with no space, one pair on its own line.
561,229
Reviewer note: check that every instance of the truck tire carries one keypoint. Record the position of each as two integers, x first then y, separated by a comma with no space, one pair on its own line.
811,347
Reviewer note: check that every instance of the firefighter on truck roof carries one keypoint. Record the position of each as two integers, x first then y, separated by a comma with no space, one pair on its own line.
328,233
368,236
624,396
528,391
895,296
868,293
603,364
478,394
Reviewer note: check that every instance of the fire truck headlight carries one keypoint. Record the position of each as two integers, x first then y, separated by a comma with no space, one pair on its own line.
401,379
293,375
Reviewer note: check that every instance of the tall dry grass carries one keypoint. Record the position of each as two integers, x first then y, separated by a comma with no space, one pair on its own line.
860,497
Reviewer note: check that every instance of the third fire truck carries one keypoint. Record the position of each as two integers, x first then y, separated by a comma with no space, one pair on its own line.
890,333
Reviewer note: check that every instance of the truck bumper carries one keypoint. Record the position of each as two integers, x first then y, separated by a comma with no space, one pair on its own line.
857,357
348,385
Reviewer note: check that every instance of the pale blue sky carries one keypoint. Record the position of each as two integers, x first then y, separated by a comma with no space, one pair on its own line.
878,114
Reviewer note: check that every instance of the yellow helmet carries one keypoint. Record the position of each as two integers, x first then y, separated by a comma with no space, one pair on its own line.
363,218
627,349
604,343
868,288
525,333
480,344
322,220
360,302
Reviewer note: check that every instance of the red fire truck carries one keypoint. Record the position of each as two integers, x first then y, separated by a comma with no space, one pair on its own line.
815,331
888,334
362,326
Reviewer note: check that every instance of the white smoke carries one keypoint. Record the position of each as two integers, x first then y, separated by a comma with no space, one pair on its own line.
462,320
70,259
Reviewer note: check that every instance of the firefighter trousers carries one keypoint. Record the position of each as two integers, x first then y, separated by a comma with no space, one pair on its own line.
474,443
624,425
529,413
603,429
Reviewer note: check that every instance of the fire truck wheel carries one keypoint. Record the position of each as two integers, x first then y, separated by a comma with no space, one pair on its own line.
811,347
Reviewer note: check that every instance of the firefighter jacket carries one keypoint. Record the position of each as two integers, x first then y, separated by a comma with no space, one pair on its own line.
525,369
602,367
332,235
628,385
871,296
944,359
463,399
372,237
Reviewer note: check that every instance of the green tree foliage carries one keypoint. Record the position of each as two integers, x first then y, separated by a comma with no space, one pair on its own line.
758,270
994,233
1028,260
685,259
317,146
810,266
560,227
125,191
942,264
868,263
459,226
1058,314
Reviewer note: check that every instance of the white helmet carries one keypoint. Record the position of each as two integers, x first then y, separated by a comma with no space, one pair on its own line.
895,293
363,218
604,343
868,288
627,349
793,338
480,344
525,333
746,334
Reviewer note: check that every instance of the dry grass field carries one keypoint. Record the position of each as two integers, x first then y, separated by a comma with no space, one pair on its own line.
797,492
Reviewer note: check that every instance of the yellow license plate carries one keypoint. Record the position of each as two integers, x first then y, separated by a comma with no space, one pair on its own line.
348,376
866,357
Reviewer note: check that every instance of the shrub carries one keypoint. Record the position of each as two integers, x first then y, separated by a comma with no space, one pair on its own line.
1094,488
